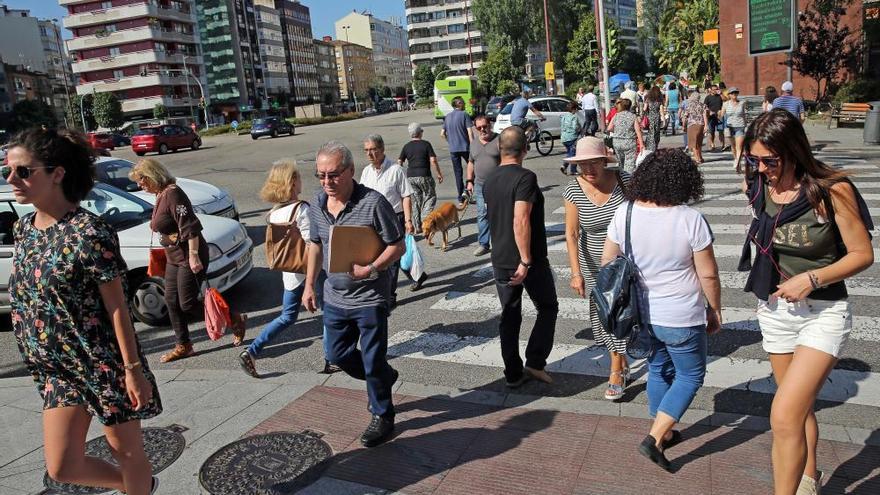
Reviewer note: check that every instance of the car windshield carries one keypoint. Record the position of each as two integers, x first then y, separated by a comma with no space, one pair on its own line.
147,131
507,109
263,121
495,100
115,173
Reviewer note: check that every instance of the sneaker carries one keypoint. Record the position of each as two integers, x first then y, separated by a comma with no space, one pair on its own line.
809,486
481,251
524,377
247,363
378,432
418,283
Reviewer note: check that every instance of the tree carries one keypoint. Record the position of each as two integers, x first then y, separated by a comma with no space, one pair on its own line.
825,47
75,116
634,64
400,92
681,38
507,87
650,17
509,23
386,92
438,70
159,111
497,68
108,111
423,81
32,113
578,60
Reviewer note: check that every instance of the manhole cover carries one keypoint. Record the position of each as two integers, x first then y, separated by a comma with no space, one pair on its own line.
269,464
163,447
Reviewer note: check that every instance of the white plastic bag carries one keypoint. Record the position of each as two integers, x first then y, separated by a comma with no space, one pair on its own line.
418,263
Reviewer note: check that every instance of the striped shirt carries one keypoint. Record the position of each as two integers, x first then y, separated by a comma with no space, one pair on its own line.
365,207
791,103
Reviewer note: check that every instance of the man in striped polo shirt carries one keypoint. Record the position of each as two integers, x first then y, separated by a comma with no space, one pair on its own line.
356,303
787,101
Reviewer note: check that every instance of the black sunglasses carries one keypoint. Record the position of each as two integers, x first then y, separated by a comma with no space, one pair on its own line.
769,161
21,171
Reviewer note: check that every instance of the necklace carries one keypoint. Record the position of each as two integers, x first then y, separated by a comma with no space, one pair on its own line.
784,197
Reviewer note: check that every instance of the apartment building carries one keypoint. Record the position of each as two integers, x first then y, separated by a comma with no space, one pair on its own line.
388,42
355,71
625,15
328,73
302,69
444,32
146,52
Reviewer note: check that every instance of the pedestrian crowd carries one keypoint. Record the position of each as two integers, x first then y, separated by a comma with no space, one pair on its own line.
810,232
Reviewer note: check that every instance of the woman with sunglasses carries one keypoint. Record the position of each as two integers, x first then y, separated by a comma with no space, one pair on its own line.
810,232
70,316
186,253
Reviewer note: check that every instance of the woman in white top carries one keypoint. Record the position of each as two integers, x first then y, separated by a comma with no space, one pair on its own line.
282,188
677,278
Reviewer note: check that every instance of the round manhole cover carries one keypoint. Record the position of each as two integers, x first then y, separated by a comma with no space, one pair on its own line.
268,464
163,447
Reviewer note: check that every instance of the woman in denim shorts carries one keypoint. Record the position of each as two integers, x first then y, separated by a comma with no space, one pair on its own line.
811,232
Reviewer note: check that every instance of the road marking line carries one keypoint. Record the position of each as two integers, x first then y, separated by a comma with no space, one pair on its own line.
733,176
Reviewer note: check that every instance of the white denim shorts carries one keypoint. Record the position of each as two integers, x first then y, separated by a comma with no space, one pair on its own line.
821,325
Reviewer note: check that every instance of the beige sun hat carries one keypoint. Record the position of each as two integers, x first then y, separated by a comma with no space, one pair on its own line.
589,148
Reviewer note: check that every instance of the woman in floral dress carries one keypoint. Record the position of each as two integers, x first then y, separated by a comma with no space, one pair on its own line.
70,316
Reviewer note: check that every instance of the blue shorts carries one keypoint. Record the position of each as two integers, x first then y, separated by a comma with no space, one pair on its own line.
737,131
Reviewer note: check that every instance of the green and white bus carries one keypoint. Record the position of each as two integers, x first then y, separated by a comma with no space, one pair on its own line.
450,87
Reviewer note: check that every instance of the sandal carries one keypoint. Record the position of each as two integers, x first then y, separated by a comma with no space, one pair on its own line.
615,392
180,351
239,323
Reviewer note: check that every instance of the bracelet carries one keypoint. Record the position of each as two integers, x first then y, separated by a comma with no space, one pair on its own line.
193,252
469,181
814,280
527,265
131,366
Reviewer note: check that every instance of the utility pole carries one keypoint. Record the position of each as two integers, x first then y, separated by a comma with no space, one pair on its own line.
467,23
549,80
188,89
603,45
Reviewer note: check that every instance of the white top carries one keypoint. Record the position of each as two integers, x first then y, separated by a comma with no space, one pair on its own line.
671,292
390,181
588,101
281,215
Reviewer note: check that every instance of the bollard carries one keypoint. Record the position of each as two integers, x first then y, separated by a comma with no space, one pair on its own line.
872,124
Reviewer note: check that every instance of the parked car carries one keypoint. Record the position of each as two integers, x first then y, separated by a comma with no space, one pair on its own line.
229,247
496,104
271,126
205,198
386,105
3,152
551,107
162,138
120,140
101,140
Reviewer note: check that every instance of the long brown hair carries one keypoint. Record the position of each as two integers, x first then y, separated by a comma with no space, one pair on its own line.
783,134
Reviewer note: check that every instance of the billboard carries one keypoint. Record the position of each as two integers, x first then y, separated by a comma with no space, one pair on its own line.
772,26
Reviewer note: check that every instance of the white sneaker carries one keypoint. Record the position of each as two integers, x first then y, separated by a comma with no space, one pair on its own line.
809,486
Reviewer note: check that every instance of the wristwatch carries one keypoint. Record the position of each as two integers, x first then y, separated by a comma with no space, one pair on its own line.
374,273
131,366
527,265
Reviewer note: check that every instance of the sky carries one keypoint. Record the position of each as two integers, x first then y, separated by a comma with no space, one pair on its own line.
324,12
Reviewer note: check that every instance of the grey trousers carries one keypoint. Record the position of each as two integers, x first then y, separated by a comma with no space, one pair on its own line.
625,149
424,199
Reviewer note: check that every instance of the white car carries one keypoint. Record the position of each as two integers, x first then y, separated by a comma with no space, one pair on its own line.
551,107
229,247
205,198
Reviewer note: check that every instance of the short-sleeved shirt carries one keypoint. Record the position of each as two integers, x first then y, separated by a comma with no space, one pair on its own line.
503,188
456,125
735,113
713,103
390,181
519,110
417,154
671,294
486,157
176,223
588,102
281,215
364,207
569,124
791,103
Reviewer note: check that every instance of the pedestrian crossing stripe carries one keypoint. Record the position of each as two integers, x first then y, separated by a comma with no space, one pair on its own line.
733,176
742,319
717,228
718,211
723,372
721,250
736,196
850,165
736,187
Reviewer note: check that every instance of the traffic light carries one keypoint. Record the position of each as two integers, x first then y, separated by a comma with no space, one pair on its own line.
593,59
611,34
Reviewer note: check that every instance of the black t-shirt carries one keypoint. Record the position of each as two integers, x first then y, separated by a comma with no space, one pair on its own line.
503,187
713,103
417,154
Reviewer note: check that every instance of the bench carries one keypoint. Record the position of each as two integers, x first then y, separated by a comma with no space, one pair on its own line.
853,113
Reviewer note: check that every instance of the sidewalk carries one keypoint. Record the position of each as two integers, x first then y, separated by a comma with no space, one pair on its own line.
448,441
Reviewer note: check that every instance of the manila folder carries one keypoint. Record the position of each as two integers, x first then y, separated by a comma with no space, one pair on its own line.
351,244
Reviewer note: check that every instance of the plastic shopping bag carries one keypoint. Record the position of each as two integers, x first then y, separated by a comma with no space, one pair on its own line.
406,261
217,318
418,263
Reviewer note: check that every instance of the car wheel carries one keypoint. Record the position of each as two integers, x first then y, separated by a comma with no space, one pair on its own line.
292,130
274,134
544,143
140,153
195,145
254,137
148,302
163,148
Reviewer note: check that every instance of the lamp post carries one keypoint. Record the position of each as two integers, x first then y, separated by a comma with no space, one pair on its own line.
63,66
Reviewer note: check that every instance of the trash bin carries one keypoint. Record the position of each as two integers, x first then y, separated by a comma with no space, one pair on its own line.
872,123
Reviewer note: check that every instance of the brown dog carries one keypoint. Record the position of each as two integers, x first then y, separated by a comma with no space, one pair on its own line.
442,219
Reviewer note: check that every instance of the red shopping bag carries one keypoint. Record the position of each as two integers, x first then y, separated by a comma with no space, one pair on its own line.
217,318
156,264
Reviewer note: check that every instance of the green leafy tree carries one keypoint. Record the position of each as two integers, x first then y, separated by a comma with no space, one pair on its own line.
32,113
507,87
578,60
634,64
514,24
652,14
400,92
497,68
423,81
680,39
74,116
825,47
386,92
438,70
159,111
108,111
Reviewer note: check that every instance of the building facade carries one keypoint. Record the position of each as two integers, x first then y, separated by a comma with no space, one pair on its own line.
625,15
145,52
388,42
328,72
302,69
355,71
444,32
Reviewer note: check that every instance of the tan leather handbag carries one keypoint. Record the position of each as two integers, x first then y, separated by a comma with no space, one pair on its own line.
285,246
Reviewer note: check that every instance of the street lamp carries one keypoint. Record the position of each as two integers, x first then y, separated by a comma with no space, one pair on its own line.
185,72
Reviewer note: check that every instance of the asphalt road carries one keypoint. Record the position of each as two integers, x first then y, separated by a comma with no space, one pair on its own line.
443,334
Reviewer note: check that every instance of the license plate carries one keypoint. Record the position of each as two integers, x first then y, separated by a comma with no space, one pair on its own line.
244,260
142,146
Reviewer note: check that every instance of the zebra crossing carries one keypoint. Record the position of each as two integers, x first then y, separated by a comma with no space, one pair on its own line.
740,364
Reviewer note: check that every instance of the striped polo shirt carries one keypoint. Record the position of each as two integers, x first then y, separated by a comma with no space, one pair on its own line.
365,207
791,103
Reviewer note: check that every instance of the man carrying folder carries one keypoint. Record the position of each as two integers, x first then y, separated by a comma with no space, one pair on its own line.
356,301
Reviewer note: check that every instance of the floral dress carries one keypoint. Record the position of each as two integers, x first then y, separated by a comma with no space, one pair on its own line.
64,332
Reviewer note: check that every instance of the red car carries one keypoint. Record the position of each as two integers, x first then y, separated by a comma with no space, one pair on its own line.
100,140
162,138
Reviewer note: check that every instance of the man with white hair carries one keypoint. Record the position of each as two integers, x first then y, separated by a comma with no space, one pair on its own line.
787,101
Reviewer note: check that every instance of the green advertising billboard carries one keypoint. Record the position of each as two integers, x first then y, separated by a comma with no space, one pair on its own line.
771,26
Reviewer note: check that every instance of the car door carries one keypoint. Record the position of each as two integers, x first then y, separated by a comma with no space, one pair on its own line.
558,108
8,216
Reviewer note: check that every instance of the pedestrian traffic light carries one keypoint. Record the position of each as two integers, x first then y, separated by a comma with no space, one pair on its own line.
593,59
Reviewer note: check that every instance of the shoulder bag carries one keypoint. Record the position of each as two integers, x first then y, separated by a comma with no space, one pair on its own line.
285,246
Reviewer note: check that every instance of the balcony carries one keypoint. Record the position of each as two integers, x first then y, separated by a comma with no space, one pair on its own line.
134,58
114,14
131,83
128,36
141,104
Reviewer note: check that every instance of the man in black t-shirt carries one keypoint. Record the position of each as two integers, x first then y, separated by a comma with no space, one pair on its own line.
515,207
713,103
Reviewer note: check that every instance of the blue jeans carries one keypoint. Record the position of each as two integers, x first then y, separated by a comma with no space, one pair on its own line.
569,152
344,328
482,217
673,119
289,313
676,368
457,157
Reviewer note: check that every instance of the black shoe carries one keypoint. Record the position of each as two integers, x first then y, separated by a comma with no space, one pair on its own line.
524,377
418,283
648,448
247,364
378,432
330,368
394,376
392,302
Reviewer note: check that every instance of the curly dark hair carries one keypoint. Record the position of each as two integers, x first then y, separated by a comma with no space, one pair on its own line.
62,148
668,177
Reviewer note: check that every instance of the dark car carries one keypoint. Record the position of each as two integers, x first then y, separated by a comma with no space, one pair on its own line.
271,126
120,139
493,108
162,138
